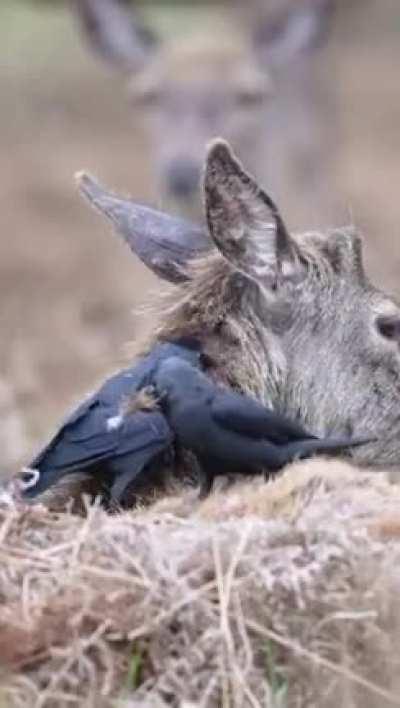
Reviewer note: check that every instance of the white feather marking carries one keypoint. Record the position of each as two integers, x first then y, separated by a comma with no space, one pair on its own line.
33,477
114,422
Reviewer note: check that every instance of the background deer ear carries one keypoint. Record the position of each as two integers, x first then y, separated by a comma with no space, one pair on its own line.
114,32
244,222
293,31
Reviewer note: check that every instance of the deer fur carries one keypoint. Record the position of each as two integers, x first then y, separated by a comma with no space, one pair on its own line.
294,323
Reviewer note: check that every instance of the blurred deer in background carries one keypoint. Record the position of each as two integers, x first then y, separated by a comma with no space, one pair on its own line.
262,87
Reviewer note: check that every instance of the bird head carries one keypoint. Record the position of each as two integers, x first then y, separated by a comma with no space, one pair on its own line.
190,349
175,377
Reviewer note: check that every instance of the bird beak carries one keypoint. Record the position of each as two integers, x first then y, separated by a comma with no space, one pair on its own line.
163,397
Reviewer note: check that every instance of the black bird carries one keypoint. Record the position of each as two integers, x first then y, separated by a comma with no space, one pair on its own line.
107,433
230,432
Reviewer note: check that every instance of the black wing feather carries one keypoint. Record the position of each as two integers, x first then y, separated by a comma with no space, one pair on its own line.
89,418
86,437
249,417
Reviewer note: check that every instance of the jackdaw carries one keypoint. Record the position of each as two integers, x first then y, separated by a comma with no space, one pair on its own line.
230,432
110,434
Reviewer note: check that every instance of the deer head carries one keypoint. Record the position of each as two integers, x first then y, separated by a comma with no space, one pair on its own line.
295,317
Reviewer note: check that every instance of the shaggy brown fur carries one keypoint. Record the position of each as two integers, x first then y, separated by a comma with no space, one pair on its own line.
211,306
143,400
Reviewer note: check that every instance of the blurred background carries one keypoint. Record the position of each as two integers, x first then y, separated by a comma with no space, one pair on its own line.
69,287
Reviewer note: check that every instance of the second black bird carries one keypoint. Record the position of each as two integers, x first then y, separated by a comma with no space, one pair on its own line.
229,432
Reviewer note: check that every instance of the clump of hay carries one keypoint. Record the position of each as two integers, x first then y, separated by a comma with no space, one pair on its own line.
284,594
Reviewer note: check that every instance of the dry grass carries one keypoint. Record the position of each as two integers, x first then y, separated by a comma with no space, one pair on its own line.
263,595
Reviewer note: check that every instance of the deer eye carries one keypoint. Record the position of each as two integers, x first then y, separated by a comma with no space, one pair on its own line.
145,93
147,99
249,99
388,326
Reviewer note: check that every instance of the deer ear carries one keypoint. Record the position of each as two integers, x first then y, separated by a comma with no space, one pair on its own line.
293,31
114,32
244,222
165,244
345,252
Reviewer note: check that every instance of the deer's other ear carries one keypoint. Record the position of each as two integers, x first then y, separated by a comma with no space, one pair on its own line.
164,243
115,33
244,222
293,31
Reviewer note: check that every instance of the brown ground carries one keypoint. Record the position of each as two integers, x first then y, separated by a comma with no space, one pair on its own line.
67,287
266,596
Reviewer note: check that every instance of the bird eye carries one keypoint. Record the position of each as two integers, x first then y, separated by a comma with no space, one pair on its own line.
389,326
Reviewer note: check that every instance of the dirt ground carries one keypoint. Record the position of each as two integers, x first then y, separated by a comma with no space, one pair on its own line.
67,286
